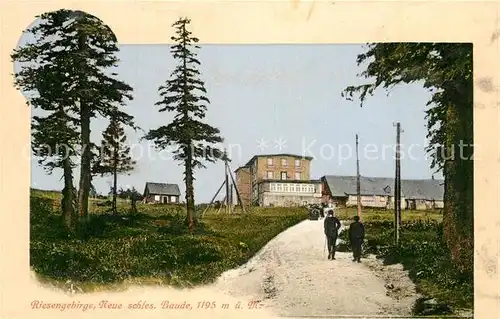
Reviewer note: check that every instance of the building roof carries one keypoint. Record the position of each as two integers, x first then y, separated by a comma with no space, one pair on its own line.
241,167
431,189
346,185
277,155
162,189
410,189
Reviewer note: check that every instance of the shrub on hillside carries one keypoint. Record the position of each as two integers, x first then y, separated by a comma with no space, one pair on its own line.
423,252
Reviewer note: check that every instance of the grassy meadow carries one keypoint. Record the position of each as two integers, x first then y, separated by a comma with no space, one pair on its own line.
151,247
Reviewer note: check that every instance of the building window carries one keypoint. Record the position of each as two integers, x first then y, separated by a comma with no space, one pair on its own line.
297,175
173,199
157,198
270,161
285,188
284,162
273,187
303,189
279,187
269,175
283,175
297,163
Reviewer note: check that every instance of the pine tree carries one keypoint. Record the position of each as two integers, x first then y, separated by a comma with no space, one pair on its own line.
115,156
69,66
184,95
55,134
52,140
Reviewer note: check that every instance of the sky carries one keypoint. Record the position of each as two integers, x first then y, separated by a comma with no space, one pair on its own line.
270,99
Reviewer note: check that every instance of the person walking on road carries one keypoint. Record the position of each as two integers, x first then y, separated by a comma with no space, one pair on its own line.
332,226
356,237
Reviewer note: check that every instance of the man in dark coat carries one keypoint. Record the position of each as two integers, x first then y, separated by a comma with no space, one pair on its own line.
356,237
331,225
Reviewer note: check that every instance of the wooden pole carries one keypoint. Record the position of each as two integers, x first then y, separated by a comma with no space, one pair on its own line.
213,198
231,198
227,188
236,190
222,203
358,179
399,130
397,190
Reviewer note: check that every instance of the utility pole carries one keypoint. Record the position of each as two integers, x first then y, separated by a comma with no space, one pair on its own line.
397,186
358,181
227,199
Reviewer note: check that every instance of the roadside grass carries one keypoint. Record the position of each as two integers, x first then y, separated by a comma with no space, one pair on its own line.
152,247
422,252
369,215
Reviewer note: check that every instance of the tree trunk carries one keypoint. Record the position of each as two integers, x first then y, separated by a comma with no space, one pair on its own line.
189,158
190,190
115,179
68,212
86,156
458,216
84,189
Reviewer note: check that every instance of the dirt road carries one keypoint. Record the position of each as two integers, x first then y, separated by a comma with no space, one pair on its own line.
292,277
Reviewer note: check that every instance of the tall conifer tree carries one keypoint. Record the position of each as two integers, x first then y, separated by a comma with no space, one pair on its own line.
184,95
68,68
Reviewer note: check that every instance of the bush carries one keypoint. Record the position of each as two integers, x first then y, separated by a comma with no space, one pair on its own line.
423,252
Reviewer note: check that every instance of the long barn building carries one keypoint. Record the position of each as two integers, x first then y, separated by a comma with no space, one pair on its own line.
378,192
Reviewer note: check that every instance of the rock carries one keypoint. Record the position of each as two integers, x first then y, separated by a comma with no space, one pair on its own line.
431,307
431,302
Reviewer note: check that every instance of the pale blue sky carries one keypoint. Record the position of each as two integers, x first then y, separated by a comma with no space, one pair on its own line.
267,92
